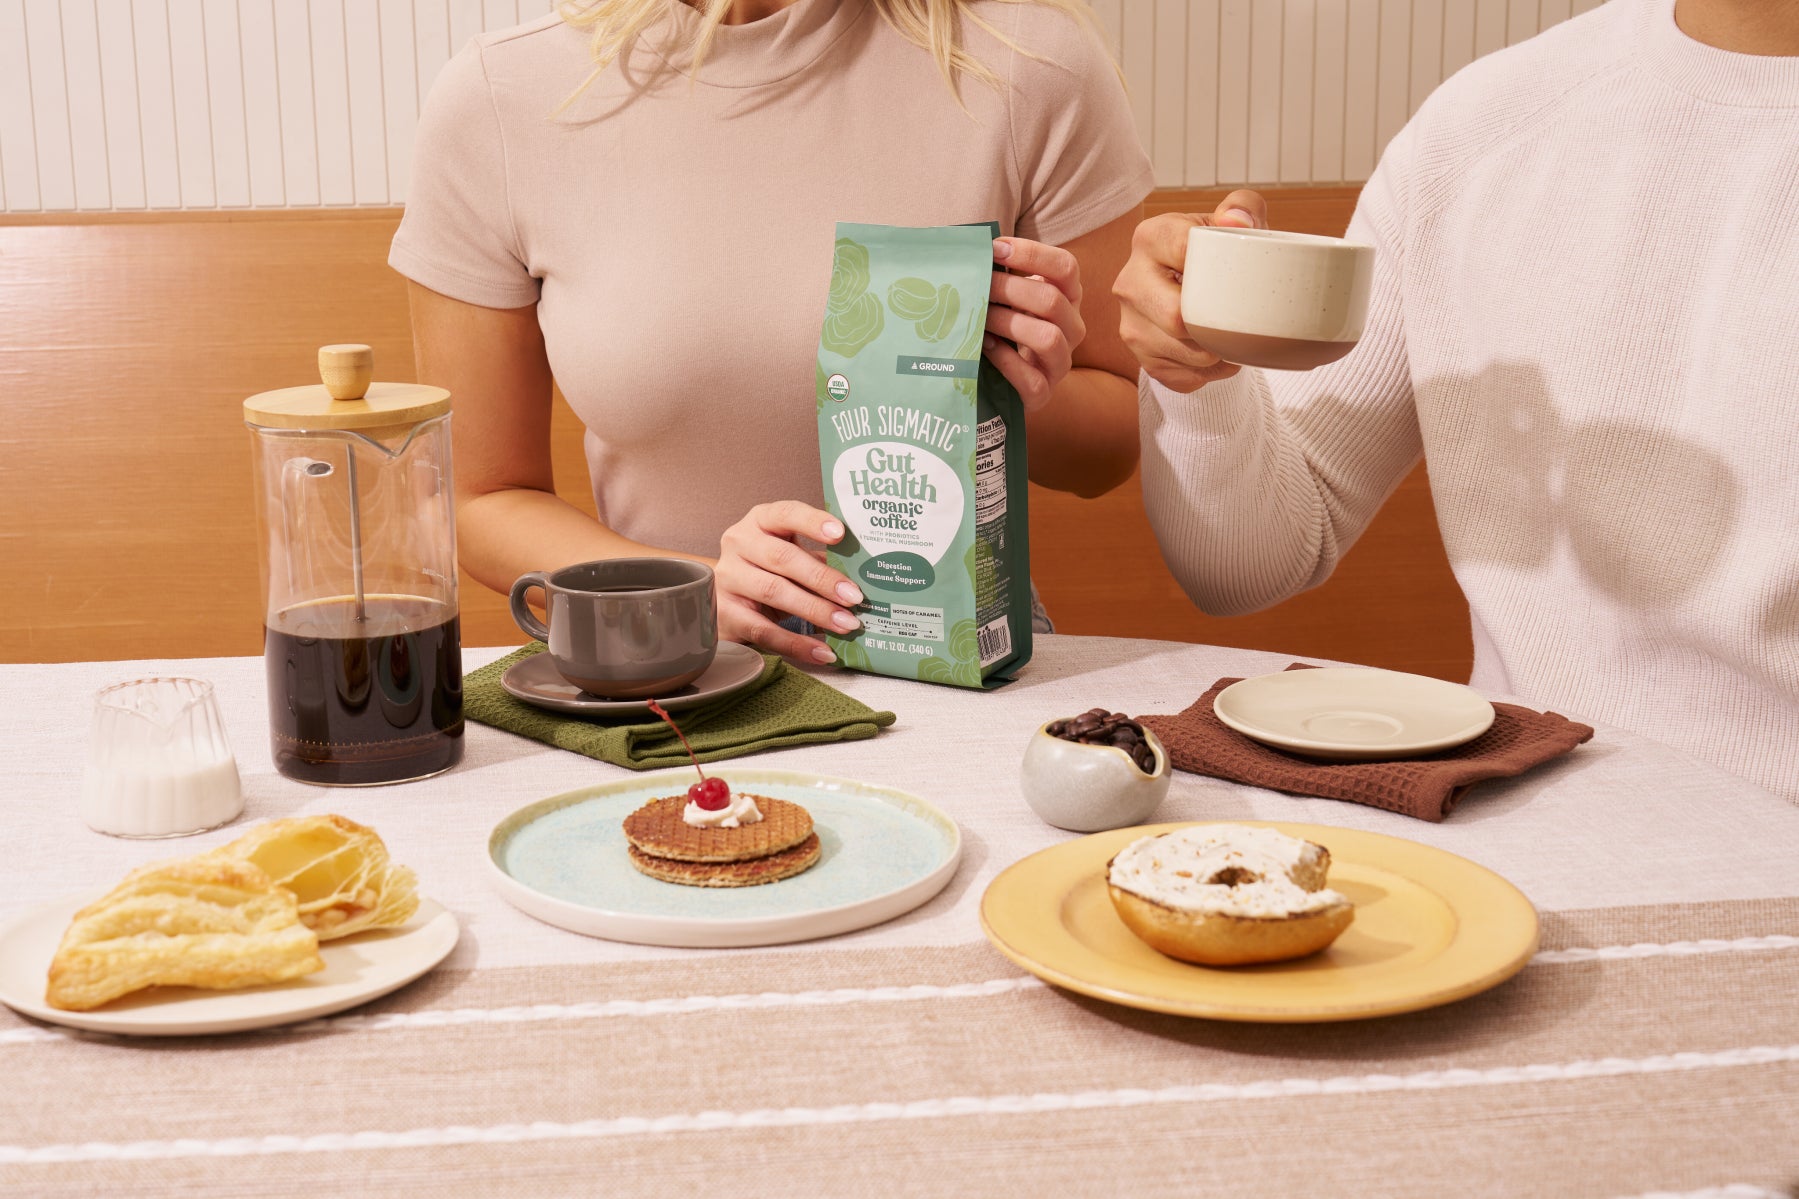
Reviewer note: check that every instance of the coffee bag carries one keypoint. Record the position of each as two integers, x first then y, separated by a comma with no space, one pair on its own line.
922,444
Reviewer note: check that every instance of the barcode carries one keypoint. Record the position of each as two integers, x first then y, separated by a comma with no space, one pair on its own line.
995,641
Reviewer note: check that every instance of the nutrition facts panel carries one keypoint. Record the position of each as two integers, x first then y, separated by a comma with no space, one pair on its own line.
989,470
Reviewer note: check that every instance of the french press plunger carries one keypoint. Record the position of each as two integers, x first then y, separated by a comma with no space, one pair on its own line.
358,550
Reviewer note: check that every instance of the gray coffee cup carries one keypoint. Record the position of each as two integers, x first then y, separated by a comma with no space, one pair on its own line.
625,628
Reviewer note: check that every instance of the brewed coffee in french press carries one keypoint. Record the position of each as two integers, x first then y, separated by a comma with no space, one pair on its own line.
358,549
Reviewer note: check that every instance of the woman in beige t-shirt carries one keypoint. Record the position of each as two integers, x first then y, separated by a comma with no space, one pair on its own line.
661,245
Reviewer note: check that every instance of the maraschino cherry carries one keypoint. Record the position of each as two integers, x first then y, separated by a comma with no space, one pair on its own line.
709,794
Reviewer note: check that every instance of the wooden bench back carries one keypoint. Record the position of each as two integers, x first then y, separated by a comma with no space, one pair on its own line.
126,509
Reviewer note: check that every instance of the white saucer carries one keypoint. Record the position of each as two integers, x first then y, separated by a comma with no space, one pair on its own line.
1354,713
357,969
534,681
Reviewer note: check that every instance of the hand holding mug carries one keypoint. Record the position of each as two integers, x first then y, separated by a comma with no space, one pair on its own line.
1149,293
764,574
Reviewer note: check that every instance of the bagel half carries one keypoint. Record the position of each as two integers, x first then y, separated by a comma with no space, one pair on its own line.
1227,895
1215,939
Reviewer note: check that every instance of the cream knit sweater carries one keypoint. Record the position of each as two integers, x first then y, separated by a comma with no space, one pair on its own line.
1586,317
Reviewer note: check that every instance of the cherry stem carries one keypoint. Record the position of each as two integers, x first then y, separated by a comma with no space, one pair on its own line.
658,710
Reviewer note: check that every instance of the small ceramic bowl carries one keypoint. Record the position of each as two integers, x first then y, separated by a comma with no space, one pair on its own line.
1087,788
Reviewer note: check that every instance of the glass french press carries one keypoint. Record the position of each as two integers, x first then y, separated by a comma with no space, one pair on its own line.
358,549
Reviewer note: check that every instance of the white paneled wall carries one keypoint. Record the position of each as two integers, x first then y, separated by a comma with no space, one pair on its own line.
156,104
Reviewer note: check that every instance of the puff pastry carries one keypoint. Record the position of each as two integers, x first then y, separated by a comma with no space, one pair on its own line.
338,870
216,923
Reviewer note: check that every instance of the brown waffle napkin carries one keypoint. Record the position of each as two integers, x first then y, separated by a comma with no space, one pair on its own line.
1428,787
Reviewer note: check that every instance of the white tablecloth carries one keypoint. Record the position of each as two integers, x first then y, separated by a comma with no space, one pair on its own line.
1618,821
1622,820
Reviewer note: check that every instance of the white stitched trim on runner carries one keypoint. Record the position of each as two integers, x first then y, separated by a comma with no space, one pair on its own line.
690,1004
667,1007
917,1109
1733,1190
608,1008
32,1036
1652,949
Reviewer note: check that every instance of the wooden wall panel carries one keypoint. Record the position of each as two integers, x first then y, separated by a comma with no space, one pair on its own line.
147,104
128,531
261,92
18,139
1199,111
126,522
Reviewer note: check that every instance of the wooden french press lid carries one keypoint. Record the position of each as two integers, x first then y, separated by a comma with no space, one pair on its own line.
347,399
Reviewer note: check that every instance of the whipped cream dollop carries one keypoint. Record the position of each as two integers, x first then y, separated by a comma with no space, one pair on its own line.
1226,869
740,811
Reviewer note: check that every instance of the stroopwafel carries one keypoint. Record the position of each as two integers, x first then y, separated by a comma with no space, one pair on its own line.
773,868
657,830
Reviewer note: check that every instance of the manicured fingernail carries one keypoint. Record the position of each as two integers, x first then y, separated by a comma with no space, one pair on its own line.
844,621
823,656
848,594
990,342
832,530
1243,217
1002,249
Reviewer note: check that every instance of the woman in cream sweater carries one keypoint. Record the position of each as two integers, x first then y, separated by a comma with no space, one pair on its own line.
1582,317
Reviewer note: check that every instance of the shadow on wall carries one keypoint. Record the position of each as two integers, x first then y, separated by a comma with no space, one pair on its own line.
1644,513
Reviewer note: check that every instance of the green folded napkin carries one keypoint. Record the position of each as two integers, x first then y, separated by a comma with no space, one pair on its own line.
782,707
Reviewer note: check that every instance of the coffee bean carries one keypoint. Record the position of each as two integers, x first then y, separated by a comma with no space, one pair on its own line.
1110,730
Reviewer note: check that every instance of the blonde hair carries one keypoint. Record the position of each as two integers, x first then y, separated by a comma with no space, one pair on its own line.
930,24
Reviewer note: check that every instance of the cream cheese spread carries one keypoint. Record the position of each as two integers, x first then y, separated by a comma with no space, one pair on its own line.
1223,869
740,811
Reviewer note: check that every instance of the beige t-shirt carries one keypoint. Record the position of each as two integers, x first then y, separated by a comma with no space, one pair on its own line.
676,235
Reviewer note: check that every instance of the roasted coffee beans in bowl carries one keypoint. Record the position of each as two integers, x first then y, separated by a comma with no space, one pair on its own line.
1094,771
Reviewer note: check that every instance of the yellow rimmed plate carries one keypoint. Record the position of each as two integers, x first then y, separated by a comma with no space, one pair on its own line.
1430,928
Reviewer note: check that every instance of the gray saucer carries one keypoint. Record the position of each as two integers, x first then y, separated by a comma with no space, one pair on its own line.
534,681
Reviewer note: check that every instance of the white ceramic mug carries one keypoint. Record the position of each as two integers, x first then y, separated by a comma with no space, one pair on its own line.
1269,298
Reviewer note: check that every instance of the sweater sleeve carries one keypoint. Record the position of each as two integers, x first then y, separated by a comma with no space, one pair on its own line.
1257,485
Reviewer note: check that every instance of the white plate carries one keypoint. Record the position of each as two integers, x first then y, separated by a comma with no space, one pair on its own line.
1354,713
357,969
534,681
563,860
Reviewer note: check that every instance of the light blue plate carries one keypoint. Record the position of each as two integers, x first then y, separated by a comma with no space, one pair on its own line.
883,852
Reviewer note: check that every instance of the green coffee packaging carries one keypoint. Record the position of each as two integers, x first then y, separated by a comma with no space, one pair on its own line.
921,441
